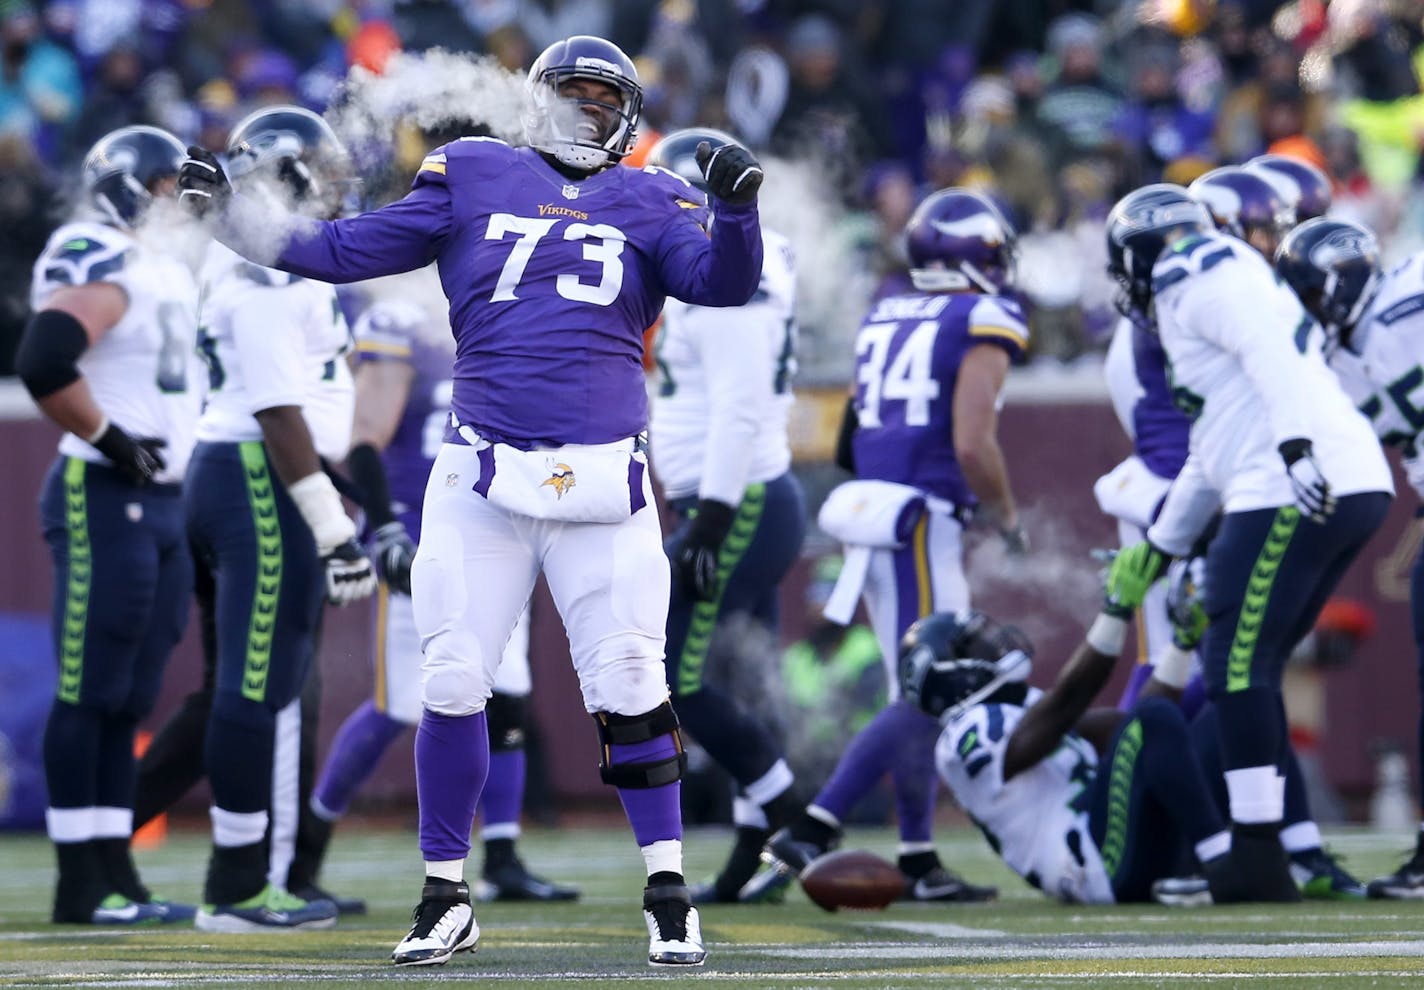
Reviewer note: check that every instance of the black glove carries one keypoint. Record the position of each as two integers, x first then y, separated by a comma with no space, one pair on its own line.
1312,491
202,183
394,551
1015,539
732,174
136,458
349,574
694,561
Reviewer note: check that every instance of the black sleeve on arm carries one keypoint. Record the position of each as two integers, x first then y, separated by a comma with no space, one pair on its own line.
49,351
845,452
369,473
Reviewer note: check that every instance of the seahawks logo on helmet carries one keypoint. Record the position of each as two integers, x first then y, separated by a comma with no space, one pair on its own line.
950,663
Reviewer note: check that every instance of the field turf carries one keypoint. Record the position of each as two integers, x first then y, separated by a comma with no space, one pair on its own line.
1022,940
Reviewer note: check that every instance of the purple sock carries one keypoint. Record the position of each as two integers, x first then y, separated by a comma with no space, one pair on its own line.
451,762
1141,674
654,812
897,730
915,778
503,796
359,745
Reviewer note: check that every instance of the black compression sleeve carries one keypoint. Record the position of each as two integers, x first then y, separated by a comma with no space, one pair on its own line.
48,352
369,473
845,453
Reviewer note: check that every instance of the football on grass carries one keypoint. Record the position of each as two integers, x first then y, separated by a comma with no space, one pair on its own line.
852,878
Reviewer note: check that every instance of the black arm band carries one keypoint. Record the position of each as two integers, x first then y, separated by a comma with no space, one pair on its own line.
845,453
47,359
369,473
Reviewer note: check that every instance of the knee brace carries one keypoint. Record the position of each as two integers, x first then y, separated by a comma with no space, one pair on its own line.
505,714
635,730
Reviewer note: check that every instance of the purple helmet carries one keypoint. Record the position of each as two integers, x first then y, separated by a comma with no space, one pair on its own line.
1241,202
558,126
1303,185
958,239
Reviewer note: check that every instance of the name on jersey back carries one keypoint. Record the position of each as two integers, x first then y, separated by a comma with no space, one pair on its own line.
909,308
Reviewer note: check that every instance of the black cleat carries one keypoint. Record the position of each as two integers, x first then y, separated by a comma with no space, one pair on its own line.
786,856
1256,870
444,925
674,928
511,881
344,905
940,884
1404,884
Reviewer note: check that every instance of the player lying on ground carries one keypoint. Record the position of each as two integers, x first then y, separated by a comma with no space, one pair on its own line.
920,434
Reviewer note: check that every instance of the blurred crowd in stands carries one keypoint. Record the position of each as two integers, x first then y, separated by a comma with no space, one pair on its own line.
1058,105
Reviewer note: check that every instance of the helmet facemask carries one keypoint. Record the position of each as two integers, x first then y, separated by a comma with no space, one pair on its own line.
279,165
582,132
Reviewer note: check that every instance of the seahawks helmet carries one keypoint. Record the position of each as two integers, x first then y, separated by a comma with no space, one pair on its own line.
677,152
122,168
1334,268
297,149
1140,227
1242,203
1304,186
950,663
958,239
556,125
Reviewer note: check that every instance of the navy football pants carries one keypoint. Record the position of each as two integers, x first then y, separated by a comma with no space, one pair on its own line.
122,580
268,587
1268,574
763,543
1149,803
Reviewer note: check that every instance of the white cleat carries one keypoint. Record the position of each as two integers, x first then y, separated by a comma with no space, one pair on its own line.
674,928
444,925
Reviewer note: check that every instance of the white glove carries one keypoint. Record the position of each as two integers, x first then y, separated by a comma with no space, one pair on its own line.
350,576
1312,491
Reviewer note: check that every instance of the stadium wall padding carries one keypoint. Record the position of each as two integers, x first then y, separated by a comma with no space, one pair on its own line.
1055,451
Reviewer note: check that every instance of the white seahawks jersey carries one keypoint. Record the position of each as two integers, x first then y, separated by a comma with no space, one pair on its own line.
724,399
1383,368
144,373
273,339
1246,364
1031,821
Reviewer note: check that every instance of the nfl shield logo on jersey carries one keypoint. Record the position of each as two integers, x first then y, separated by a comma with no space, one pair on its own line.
451,480
134,510
570,191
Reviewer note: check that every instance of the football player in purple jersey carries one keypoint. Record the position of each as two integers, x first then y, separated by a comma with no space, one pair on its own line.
554,262
403,353
920,435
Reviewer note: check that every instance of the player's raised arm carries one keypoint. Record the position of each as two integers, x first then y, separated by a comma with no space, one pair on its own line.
399,237
1060,708
723,267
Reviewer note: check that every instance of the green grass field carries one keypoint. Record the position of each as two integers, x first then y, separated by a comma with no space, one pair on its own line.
1020,941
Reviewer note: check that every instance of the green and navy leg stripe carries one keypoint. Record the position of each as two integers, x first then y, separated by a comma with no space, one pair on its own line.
1258,597
704,614
81,577
269,570
1124,761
